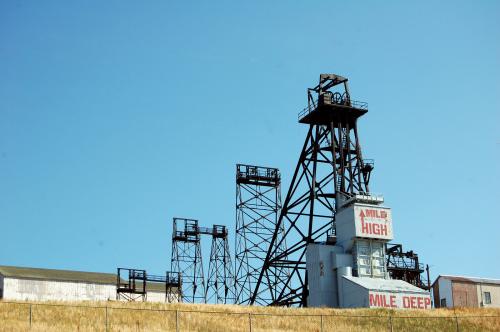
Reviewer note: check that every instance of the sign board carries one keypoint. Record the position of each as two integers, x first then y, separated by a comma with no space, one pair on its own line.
373,222
400,300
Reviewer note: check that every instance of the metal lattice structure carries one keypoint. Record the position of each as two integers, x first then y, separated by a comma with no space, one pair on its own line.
187,259
330,167
404,265
220,281
258,202
132,285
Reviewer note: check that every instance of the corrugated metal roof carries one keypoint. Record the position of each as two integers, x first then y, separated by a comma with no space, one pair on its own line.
59,275
377,284
469,279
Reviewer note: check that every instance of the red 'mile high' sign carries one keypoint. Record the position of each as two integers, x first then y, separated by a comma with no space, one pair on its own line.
373,222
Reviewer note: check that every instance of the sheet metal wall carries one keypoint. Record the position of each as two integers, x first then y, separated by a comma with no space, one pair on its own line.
45,290
48,290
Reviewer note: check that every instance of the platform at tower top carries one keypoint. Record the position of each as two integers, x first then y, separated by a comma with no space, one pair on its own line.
326,110
257,175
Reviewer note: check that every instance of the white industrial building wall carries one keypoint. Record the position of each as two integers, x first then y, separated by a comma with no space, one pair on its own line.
47,290
160,297
353,296
153,297
321,275
445,292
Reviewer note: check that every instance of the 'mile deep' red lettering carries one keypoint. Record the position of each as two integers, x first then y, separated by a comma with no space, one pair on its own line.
416,302
380,300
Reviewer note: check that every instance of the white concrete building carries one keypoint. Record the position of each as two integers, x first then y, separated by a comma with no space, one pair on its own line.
33,284
459,291
351,271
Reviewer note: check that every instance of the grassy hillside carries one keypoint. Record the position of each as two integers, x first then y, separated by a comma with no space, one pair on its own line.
120,316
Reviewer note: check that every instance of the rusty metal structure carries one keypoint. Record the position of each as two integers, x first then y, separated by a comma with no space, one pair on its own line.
187,259
330,168
258,203
220,281
404,265
132,284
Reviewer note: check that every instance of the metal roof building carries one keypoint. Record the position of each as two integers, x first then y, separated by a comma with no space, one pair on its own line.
460,291
35,284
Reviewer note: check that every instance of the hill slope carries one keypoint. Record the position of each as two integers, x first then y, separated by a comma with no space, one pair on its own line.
122,316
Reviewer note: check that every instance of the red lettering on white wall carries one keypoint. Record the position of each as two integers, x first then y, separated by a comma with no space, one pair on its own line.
374,300
406,302
373,228
399,300
393,301
374,214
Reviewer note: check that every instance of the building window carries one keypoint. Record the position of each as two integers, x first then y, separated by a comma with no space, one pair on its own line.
487,298
443,303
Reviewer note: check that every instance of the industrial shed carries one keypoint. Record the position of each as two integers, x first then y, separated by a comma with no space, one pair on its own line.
35,284
459,291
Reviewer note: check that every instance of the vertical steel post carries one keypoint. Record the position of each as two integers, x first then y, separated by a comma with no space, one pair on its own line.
429,279
250,321
321,323
390,323
106,318
177,320
456,321
30,315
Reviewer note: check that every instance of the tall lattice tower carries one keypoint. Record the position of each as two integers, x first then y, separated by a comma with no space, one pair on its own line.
258,202
330,169
187,259
220,281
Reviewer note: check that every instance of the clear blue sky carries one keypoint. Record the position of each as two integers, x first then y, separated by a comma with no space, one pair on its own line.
116,116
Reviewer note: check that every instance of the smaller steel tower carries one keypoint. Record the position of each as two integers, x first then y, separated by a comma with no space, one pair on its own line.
220,281
187,259
258,204
132,285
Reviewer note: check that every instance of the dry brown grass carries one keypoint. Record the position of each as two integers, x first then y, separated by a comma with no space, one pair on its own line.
91,316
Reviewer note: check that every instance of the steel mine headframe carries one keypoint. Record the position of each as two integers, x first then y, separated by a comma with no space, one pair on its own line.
330,168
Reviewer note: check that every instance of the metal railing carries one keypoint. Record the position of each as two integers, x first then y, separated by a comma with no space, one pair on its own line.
38,316
349,103
257,172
